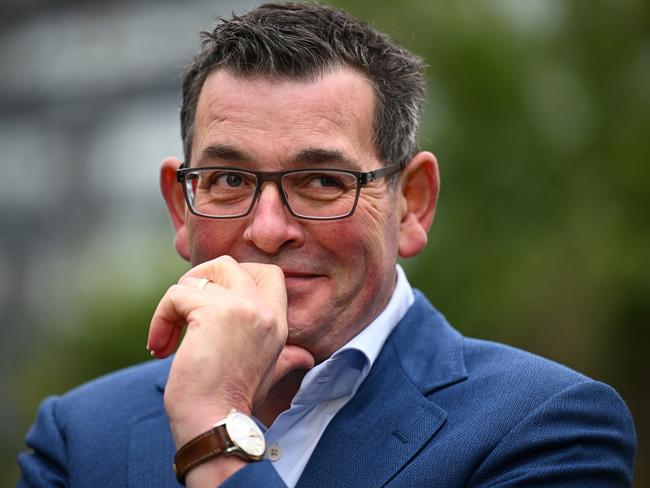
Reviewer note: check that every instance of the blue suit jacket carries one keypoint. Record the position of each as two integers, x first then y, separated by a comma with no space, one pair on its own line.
436,410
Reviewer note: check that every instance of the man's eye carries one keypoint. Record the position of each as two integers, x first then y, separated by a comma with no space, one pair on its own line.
231,180
325,181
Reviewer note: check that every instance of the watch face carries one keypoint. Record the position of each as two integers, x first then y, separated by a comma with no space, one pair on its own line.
245,433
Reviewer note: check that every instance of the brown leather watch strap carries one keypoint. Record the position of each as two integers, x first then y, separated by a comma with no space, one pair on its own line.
206,446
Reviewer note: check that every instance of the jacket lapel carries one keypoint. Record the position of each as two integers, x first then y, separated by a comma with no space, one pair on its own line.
390,419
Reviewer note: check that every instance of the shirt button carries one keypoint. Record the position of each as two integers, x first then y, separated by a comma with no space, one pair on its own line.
274,453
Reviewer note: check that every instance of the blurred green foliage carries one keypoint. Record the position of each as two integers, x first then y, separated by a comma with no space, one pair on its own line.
539,115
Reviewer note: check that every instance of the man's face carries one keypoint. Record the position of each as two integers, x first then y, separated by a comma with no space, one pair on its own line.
339,274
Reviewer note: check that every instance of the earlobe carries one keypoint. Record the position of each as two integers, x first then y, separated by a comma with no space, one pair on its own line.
175,200
419,189
181,244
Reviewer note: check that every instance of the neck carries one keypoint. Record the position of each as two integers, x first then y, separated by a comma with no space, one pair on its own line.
279,397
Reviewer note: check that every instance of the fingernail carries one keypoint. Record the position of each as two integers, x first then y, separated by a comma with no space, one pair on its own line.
153,353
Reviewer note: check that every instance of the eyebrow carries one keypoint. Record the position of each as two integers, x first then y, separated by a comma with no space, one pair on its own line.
320,156
222,152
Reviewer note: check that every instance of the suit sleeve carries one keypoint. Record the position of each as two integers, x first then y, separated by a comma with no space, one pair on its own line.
45,464
255,475
581,437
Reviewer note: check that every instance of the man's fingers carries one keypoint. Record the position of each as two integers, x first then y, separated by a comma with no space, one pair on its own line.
226,272
167,349
256,281
252,280
171,316
261,282
266,276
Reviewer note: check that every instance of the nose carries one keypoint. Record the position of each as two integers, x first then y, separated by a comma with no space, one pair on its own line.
270,226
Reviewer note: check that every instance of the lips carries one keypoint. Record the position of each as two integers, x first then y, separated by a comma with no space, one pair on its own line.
301,282
300,274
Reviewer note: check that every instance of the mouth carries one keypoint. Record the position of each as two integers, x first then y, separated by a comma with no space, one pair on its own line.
296,277
300,274
301,281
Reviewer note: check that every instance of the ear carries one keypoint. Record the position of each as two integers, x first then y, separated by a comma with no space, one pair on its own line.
419,187
175,200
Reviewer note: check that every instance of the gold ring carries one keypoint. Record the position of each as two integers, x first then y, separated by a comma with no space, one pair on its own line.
203,282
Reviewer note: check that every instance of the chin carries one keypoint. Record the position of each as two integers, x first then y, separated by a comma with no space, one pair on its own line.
299,326
304,328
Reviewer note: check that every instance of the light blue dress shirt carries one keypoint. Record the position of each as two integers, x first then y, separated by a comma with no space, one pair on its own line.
326,388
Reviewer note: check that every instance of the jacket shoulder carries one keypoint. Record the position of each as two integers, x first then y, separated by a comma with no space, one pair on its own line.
113,399
124,393
488,360
97,421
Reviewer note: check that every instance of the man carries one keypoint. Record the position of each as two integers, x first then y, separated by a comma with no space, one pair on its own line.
301,185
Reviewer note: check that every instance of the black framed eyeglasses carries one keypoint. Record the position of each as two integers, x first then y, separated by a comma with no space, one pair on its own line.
218,192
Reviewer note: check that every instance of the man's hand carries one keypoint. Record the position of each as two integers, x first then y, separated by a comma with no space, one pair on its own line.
234,347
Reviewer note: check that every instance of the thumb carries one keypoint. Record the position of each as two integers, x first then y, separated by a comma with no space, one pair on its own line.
291,358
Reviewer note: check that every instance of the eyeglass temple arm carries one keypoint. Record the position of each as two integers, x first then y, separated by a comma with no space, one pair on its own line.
365,178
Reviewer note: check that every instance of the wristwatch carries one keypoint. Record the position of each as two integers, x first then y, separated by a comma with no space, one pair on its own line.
237,435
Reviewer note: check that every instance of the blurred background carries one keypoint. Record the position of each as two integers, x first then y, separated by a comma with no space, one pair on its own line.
539,113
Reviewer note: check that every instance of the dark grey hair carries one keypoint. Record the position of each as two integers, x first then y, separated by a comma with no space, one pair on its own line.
303,42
